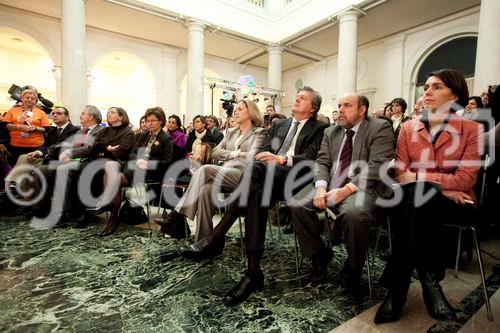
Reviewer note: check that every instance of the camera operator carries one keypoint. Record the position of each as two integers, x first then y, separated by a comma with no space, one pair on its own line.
26,124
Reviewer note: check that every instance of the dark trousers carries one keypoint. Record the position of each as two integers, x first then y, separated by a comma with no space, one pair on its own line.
256,211
420,239
355,215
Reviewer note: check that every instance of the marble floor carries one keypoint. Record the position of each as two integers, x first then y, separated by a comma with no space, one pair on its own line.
71,280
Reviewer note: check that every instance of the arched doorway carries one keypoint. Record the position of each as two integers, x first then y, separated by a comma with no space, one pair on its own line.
23,61
125,80
458,53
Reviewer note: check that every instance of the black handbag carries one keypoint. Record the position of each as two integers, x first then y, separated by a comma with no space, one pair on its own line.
131,213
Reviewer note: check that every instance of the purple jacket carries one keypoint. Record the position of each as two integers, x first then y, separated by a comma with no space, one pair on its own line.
178,138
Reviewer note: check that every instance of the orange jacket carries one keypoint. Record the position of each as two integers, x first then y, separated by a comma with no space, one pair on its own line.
453,161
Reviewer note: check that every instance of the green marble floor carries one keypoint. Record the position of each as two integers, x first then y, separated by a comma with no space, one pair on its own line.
70,280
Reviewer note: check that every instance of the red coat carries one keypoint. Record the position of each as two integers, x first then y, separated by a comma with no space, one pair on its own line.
453,161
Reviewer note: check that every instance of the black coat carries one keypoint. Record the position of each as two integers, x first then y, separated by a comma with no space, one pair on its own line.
52,145
192,137
161,151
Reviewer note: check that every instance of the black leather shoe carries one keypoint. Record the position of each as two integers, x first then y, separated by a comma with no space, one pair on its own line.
202,249
288,229
436,303
247,285
390,310
320,266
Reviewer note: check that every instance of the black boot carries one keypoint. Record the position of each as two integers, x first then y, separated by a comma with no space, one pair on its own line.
390,309
436,303
320,266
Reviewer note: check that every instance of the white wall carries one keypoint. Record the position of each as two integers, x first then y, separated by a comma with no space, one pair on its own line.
380,62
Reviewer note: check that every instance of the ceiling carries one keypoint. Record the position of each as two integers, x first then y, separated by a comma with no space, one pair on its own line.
388,18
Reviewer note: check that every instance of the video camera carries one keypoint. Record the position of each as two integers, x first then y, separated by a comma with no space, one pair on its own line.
228,104
15,93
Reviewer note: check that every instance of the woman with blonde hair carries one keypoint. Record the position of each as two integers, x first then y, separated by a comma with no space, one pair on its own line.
230,157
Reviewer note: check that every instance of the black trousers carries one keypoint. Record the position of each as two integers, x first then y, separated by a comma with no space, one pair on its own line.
257,209
420,239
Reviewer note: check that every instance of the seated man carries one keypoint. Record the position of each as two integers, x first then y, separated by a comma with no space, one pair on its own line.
288,143
347,180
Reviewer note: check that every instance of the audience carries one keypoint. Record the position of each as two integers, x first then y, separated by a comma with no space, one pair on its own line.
470,111
213,126
149,160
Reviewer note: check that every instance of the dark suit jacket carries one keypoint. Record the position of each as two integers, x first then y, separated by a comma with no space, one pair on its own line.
308,142
372,147
217,135
161,150
52,145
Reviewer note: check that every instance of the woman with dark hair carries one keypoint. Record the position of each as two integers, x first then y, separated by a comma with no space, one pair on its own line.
154,145
199,134
174,128
437,155
116,140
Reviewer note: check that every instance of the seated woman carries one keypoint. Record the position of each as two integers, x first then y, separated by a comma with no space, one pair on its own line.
234,152
174,128
26,124
152,146
441,151
199,134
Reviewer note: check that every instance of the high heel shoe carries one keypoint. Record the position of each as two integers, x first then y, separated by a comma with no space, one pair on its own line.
99,208
111,226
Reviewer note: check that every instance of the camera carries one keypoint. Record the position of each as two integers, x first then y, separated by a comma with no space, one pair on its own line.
15,93
228,104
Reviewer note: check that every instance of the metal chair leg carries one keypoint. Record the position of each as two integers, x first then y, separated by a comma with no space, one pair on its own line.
298,262
389,235
375,249
368,272
458,251
241,238
481,270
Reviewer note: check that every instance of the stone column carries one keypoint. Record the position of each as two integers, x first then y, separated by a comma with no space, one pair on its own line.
488,46
195,66
73,57
347,54
393,74
167,95
274,69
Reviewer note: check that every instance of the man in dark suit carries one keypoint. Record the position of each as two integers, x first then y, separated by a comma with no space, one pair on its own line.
289,142
346,181
90,118
213,127
58,134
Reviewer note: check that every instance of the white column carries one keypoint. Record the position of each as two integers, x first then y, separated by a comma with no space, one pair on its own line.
73,57
195,66
347,54
167,91
488,46
393,74
274,69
